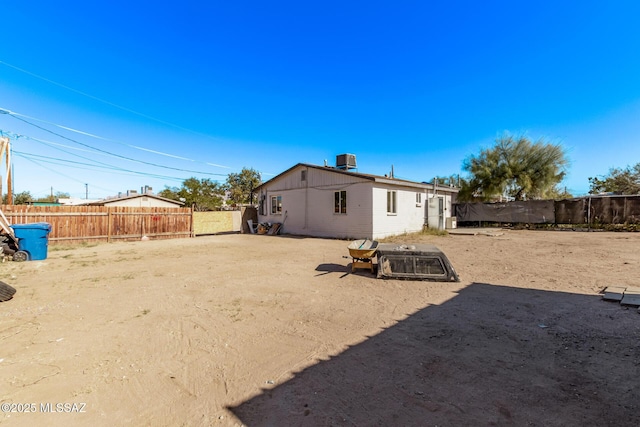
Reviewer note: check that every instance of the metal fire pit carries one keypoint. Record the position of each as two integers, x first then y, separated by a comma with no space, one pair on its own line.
419,261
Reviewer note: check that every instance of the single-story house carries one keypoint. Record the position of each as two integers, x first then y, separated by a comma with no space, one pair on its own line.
135,200
324,201
76,201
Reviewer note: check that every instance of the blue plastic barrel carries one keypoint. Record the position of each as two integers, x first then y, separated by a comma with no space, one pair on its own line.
33,239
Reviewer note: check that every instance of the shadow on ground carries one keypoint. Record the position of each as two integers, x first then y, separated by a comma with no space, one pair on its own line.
345,269
332,268
492,355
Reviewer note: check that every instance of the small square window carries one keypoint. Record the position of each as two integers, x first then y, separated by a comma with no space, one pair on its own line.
276,205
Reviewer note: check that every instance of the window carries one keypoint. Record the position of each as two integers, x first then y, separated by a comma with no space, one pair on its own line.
418,199
276,205
303,175
263,204
340,202
391,202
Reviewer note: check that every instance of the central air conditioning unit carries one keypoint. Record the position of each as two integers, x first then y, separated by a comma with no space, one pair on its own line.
346,161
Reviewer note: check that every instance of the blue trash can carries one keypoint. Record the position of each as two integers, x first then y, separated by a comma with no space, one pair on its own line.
33,239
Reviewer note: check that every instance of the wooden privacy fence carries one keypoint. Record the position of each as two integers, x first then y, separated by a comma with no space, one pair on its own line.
91,223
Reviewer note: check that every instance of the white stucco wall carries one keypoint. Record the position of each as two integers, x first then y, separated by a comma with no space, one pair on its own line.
308,204
447,209
409,217
310,211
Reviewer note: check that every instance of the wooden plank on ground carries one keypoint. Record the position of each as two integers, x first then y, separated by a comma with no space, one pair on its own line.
613,293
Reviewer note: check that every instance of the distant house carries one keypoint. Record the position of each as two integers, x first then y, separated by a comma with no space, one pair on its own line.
337,202
135,200
75,201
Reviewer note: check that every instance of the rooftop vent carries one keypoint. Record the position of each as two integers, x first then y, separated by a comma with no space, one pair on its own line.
346,161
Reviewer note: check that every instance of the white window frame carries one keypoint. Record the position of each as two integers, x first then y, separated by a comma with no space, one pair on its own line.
392,202
276,205
418,199
340,208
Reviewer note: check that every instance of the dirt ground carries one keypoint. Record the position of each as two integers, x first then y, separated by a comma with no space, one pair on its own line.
259,330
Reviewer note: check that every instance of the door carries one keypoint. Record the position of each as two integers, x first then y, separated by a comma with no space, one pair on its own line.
435,212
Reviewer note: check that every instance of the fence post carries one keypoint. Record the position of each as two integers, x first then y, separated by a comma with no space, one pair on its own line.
109,225
191,224
589,215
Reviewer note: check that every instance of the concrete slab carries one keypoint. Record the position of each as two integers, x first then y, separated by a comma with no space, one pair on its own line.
472,231
613,293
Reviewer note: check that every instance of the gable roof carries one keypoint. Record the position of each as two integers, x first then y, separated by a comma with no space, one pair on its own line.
366,176
134,196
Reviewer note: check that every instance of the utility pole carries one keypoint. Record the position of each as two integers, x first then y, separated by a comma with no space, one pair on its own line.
5,148
86,191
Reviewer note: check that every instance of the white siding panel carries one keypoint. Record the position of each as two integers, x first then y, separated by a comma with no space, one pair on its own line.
320,178
315,178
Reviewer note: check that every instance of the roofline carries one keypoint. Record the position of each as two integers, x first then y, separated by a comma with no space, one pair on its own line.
369,177
134,196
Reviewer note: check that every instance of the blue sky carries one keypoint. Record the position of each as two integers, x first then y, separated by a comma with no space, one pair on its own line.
170,90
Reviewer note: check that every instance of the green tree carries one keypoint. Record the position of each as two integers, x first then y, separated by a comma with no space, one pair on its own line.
170,193
240,185
619,181
559,194
514,167
61,195
53,198
19,199
204,195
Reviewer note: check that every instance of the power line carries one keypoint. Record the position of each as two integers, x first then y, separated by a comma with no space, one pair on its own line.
67,128
52,160
129,110
104,151
97,163
51,170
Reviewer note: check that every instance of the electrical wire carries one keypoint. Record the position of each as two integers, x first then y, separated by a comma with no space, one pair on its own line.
104,151
97,163
69,177
13,113
129,110
52,160
51,170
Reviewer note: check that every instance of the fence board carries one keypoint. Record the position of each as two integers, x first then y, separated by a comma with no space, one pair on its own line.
91,223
